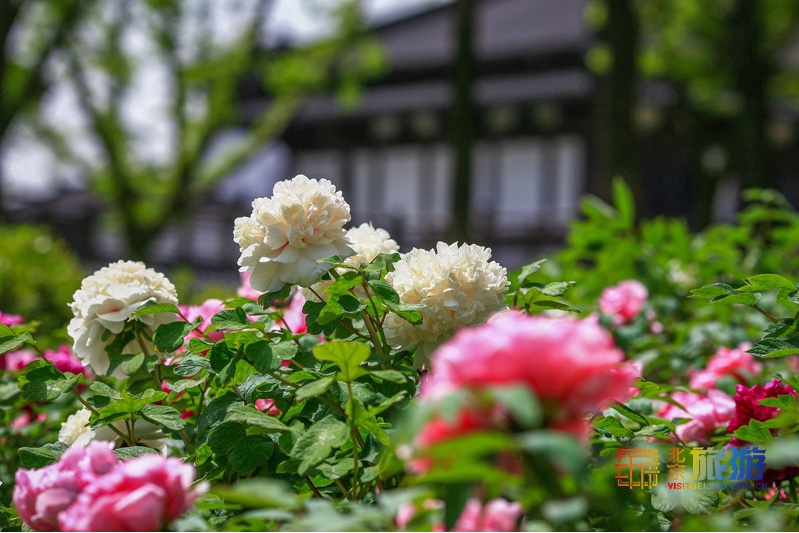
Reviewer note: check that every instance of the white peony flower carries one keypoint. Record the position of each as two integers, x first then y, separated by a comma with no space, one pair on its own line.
286,234
75,431
458,286
368,242
105,301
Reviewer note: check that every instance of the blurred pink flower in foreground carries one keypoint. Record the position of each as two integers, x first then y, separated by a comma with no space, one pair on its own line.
10,320
497,515
40,495
88,489
726,362
571,365
624,301
142,494
707,412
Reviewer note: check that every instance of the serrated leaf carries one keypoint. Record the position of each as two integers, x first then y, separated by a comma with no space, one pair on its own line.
12,342
41,456
169,337
163,415
771,348
764,282
231,319
318,442
101,388
314,388
384,291
151,308
557,288
395,376
43,382
123,454
249,415
711,291
191,366
347,355
629,413
613,426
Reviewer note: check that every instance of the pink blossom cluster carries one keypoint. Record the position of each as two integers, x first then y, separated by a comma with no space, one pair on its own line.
735,362
748,406
10,320
64,359
206,310
571,365
496,515
707,412
623,302
88,489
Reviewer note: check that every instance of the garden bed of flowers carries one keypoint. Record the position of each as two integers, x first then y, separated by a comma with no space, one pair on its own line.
643,379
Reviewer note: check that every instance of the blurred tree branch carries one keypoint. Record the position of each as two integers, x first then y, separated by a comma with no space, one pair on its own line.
23,81
203,80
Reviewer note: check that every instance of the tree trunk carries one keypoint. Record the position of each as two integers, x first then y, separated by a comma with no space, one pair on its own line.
752,158
615,135
463,120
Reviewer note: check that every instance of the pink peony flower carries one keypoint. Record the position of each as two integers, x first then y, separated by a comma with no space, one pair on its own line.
268,405
63,359
572,366
26,418
10,320
748,407
40,495
497,515
726,362
245,290
624,301
707,412
142,494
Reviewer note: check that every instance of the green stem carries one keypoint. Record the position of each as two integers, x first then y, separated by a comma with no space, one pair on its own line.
765,314
313,487
355,437
93,410
792,490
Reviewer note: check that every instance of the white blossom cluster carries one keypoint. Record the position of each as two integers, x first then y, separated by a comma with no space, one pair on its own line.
105,301
459,287
75,431
281,241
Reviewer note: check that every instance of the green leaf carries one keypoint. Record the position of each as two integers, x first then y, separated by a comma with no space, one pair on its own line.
764,282
318,442
613,426
123,454
753,433
41,456
191,366
231,319
745,298
344,283
771,348
407,312
184,384
259,493
130,364
163,415
262,357
267,299
347,355
529,269
314,388
127,405
250,452
169,337
223,437
285,350
253,417
552,304
43,382
150,308
349,303
624,202
785,402
395,376
334,261
384,291
711,291
216,411
455,498
557,288
101,388
220,356
12,342
630,413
